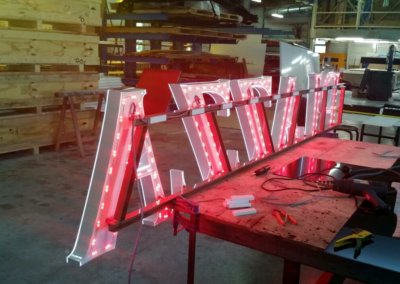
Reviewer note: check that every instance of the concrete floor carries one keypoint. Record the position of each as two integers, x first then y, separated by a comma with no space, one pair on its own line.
41,202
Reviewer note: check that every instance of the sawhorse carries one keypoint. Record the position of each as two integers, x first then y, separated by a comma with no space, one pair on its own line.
68,103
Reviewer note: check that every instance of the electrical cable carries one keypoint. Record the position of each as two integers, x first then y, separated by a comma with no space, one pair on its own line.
316,174
289,204
133,185
284,188
137,240
345,185
318,186
322,185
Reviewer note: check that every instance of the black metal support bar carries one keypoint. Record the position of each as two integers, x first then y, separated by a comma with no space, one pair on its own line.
231,105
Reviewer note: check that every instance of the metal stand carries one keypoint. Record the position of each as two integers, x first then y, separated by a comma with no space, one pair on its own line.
186,214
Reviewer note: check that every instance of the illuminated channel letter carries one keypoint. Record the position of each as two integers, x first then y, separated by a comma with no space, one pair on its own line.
316,106
202,128
334,99
122,145
252,117
285,117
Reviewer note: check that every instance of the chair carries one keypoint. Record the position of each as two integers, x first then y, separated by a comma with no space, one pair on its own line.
347,128
156,83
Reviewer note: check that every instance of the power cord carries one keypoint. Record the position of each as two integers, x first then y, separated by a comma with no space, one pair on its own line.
137,240
312,183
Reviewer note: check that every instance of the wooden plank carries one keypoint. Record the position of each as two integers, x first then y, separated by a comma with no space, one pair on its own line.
48,47
39,25
177,12
35,130
190,13
21,90
175,31
189,56
87,12
42,68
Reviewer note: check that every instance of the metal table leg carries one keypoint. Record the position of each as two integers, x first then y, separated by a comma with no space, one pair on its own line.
291,272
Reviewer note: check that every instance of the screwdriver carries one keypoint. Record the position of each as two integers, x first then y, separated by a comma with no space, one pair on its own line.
262,170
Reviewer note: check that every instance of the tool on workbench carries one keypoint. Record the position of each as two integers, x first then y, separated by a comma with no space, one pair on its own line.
283,217
262,170
359,238
369,190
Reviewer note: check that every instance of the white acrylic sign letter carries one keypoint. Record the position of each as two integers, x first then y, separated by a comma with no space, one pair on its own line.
201,129
113,156
252,119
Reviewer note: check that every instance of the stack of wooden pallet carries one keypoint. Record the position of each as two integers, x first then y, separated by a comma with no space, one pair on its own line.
200,13
46,46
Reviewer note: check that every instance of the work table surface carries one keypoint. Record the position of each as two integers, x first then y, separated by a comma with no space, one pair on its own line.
320,215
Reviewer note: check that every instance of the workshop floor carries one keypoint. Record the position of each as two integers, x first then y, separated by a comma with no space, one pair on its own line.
41,202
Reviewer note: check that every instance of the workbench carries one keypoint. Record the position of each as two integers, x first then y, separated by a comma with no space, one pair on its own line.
320,218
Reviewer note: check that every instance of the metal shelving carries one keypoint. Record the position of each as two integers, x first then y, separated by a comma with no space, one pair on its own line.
159,26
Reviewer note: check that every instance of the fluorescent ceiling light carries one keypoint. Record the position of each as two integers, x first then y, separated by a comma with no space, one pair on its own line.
368,40
286,70
372,40
362,40
258,1
277,15
349,38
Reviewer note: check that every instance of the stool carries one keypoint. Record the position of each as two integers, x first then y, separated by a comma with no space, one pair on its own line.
347,128
68,103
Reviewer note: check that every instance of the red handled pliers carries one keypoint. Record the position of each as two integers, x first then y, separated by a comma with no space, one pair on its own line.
282,217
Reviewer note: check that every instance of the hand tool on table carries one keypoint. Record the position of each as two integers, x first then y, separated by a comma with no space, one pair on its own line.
282,217
261,171
359,238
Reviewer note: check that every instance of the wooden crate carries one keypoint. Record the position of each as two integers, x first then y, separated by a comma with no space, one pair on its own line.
24,90
32,47
31,131
88,12
45,46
